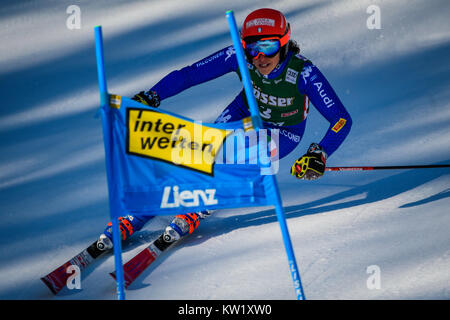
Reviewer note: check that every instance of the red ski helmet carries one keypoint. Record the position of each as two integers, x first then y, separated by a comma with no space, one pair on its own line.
266,22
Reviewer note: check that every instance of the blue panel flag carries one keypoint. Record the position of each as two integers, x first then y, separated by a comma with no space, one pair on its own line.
163,163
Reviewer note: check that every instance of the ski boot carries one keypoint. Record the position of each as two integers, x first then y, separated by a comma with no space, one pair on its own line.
128,225
104,243
184,224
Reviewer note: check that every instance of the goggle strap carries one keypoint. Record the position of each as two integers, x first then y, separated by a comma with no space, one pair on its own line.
285,39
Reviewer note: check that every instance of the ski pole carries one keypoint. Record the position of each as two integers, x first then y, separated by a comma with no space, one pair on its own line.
364,168
272,182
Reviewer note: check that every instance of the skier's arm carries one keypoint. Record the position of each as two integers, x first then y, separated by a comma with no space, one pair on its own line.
319,91
209,68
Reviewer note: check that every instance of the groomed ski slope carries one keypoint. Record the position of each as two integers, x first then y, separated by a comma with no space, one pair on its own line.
395,82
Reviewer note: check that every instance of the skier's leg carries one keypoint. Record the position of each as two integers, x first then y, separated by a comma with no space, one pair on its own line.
235,111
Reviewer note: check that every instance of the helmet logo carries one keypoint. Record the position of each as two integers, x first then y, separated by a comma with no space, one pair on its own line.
259,29
260,22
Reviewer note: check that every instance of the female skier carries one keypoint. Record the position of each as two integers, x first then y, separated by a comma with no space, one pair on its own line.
284,83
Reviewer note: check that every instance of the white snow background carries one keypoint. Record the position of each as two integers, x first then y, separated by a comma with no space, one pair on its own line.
394,81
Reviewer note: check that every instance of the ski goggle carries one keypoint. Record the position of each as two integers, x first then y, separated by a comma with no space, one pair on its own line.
267,47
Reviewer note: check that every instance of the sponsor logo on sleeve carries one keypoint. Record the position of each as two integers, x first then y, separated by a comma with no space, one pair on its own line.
230,52
323,94
306,73
339,125
209,59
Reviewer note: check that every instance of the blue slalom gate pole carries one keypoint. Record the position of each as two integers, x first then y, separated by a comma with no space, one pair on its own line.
257,124
112,184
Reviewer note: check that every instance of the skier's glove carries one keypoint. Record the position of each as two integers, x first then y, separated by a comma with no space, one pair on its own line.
310,166
149,98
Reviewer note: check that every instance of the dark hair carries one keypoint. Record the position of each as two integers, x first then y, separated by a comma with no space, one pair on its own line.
291,46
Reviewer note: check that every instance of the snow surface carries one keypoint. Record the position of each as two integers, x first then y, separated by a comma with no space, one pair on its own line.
395,82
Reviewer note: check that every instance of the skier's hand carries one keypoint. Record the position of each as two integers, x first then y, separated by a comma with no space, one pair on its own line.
149,98
310,166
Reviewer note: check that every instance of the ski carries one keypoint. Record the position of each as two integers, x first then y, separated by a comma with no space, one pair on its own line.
141,261
57,279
